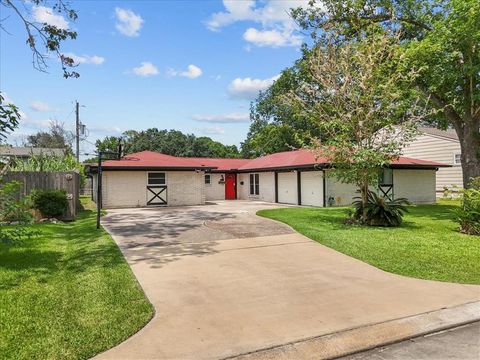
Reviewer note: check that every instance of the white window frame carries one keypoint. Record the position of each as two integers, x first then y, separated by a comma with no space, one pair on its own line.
209,177
256,184
156,172
455,159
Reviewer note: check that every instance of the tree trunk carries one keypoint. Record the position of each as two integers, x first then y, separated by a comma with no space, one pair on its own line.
467,129
469,137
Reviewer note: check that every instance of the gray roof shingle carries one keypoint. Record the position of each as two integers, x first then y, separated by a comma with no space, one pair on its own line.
29,151
449,133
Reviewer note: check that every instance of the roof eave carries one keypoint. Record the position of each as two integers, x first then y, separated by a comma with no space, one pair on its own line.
283,168
94,169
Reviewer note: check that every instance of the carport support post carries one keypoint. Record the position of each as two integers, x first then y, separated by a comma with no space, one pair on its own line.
99,188
276,186
299,187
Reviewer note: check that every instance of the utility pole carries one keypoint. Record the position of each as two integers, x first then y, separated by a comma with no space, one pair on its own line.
77,131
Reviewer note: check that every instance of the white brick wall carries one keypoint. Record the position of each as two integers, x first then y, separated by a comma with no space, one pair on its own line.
129,188
215,190
341,193
266,183
124,189
418,186
243,186
185,188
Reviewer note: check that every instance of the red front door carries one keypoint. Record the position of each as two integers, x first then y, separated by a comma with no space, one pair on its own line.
230,184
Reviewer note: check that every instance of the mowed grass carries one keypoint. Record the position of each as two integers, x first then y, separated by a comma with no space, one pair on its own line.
67,294
427,246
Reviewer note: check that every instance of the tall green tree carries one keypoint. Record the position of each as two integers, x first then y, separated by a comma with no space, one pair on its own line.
169,142
440,39
276,126
354,98
56,138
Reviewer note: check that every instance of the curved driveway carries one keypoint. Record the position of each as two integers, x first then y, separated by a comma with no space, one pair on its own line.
226,282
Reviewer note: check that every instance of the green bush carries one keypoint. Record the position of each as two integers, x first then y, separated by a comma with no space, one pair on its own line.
51,203
379,211
469,213
12,209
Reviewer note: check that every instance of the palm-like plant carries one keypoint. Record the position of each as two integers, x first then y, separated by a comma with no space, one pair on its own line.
380,211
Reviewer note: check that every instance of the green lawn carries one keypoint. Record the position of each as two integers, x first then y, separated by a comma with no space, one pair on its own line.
427,246
67,294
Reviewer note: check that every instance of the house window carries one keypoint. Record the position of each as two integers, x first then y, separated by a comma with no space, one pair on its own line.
254,184
457,159
386,177
208,179
156,178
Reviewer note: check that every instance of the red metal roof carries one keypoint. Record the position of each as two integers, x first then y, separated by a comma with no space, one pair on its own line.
403,160
286,159
147,159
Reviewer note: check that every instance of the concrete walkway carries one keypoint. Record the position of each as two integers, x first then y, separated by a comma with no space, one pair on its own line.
225,282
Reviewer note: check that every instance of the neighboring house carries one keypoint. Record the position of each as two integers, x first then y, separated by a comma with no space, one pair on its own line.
8,153
441,146
293,177
26,152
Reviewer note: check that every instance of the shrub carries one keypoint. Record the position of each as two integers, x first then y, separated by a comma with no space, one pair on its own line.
12,209
380,211
51,203
469,213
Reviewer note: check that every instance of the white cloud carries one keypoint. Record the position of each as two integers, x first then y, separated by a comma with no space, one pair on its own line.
230,118
211,130
192,72
277,26
40,106
235,11
248,88
272,38
86,59
128,23
146,69
47,15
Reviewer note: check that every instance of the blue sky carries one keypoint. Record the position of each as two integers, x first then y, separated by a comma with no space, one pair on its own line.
187,65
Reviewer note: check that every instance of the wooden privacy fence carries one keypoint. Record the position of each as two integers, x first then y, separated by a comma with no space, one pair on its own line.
66,180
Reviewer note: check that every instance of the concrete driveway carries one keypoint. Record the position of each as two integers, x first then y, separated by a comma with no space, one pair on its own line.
225,282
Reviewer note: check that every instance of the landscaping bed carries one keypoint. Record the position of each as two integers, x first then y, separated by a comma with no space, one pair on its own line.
427,246
67,293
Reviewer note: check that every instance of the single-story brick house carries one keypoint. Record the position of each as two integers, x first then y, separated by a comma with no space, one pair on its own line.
293,177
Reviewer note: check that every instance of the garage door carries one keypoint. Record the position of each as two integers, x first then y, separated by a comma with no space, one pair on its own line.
312,188
287,188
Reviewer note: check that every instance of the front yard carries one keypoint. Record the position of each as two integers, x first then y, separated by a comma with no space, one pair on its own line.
427,246
67,294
